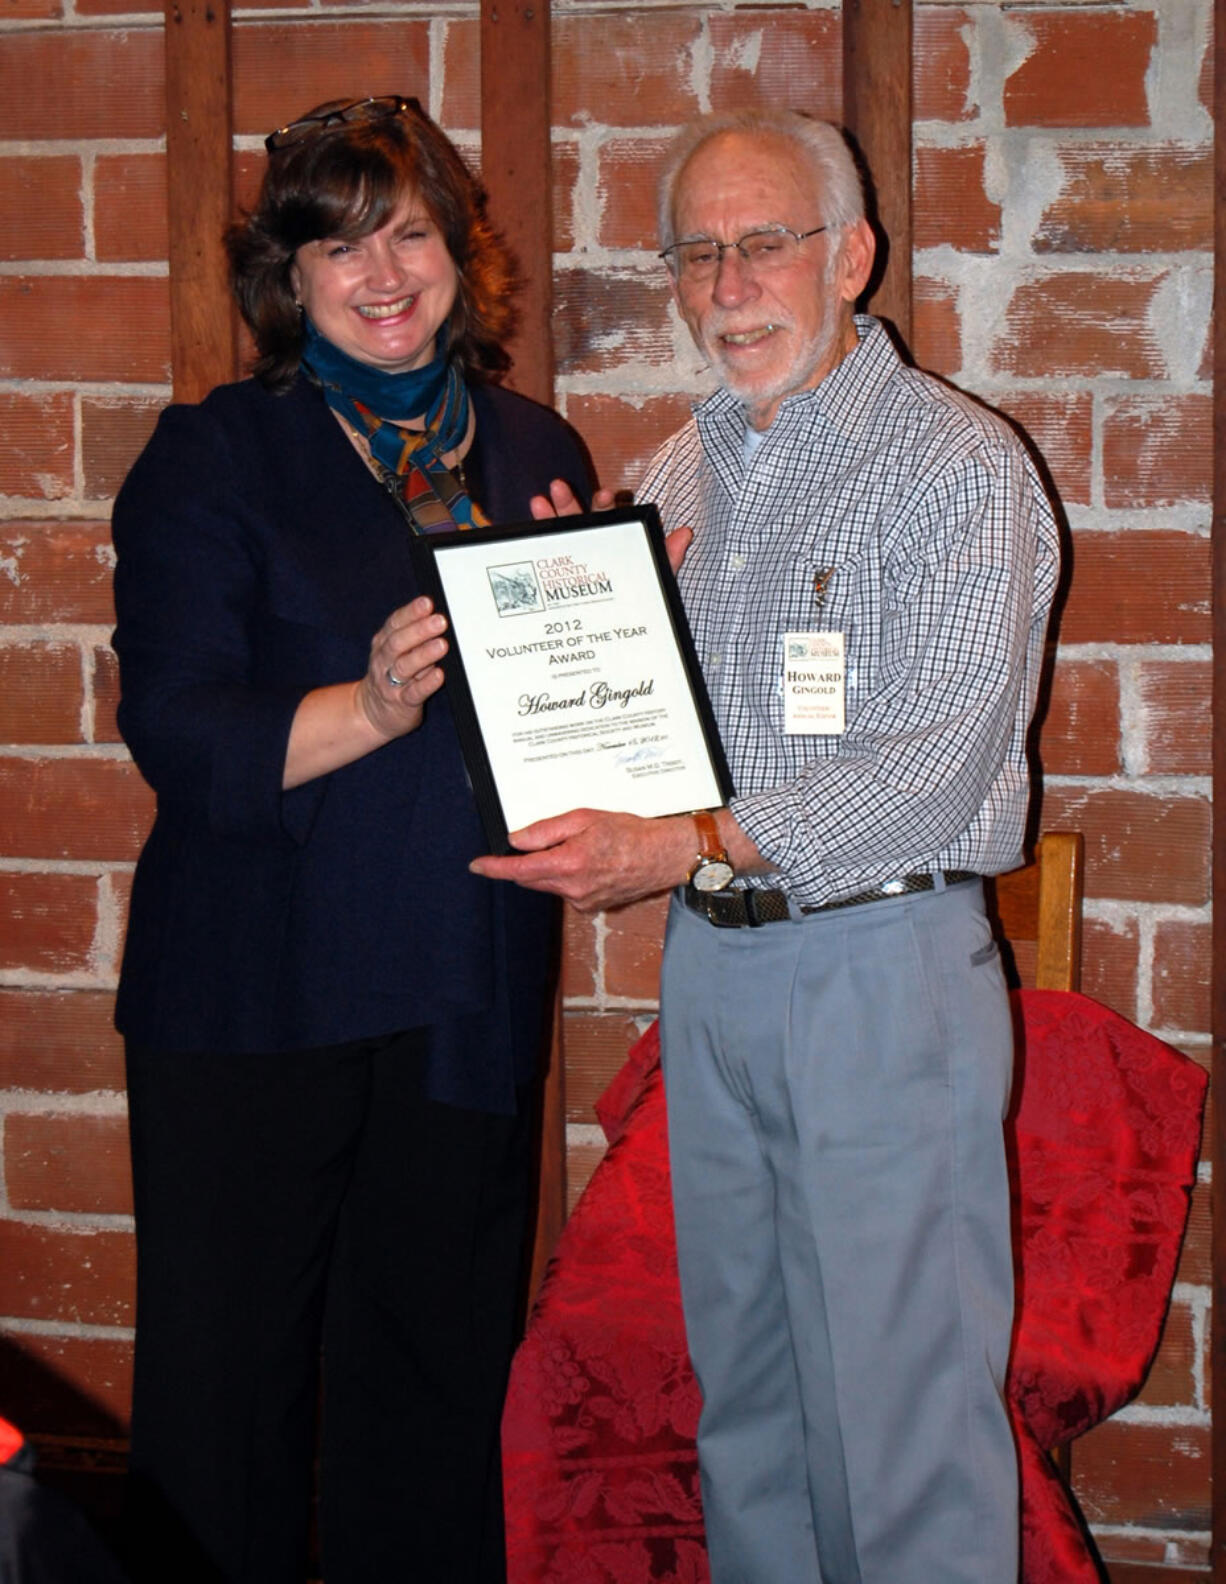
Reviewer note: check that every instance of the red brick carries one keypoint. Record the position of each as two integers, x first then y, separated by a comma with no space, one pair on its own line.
1081,731
36,445
41,693
106,695
66,1385
936,327
1195,1268
115,7
578,954
1126,1572
1175,699
120,883
1117,199
281,68
1138,587
1081,324
59,1040
69,1164
596,1045
47,922
633,941
626,192
40,207
773,57
581,1161
130,207
1138,849
565,162
83,83
951,207
113,433
1084,69
33,10
624,438
941,74
1183,959
51,1273
55,572
461,105
1170,1381
1111,964
94,327
249,168
1154,1476
1158,451
73,808
637,75
605,320
1060,427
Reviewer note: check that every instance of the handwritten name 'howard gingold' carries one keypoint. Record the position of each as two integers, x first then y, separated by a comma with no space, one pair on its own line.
599,696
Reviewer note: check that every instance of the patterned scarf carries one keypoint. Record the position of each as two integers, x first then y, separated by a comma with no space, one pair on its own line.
433,498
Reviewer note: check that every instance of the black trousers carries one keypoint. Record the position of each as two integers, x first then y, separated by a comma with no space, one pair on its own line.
284,1202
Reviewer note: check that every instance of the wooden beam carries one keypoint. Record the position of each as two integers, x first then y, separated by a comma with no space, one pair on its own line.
517,170
198,179
877,112
516,167
1217,1139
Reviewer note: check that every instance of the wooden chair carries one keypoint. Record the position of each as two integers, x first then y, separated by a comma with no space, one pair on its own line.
1037,908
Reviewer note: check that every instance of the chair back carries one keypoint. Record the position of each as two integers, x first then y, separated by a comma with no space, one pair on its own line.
1037,907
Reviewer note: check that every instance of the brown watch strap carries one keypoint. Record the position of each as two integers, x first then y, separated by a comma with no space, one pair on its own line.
709,844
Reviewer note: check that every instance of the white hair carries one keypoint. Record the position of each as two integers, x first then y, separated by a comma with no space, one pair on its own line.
836,181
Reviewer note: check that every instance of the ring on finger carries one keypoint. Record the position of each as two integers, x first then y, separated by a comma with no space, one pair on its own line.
393,680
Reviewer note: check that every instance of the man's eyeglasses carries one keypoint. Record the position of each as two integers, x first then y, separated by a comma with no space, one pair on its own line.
378,109
773,247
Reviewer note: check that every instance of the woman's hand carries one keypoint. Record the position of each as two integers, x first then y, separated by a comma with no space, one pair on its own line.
335,725
404,668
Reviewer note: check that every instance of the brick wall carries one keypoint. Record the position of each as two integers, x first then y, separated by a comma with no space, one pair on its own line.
1064,272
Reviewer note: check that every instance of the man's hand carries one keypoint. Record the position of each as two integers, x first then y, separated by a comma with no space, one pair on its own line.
595,859
561,502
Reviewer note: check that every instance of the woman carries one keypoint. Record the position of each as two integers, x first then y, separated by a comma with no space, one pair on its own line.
330,1022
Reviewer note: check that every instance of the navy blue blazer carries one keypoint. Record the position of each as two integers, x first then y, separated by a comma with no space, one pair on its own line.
256,558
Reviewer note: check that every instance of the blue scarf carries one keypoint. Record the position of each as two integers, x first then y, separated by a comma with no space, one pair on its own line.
432,496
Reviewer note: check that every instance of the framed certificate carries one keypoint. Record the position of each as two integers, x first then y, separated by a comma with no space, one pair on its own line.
571,670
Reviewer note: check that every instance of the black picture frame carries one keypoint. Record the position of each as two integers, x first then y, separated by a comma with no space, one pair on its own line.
437,565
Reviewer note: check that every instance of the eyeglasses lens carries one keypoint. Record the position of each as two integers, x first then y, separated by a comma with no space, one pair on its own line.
760,250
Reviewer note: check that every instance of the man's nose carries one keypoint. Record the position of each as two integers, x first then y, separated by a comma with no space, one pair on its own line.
734,278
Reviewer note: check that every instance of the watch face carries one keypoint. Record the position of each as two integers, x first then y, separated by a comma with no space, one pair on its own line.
715,874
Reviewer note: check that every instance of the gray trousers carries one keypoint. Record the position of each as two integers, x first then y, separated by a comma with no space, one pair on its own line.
835,1093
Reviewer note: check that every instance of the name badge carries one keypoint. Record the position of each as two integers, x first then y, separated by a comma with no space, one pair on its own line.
813,684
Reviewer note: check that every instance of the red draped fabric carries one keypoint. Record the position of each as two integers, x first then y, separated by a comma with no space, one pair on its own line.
598,1438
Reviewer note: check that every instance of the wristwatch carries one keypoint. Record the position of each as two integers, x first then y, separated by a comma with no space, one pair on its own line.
712,871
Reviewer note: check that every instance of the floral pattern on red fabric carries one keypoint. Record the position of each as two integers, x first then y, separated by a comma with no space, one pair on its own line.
600,1465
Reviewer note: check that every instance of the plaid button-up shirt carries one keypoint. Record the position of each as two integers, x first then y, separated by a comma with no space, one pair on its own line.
890,508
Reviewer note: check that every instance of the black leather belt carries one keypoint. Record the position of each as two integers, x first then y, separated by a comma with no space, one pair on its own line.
746,907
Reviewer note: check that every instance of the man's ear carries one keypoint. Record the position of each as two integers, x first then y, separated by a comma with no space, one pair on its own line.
859,250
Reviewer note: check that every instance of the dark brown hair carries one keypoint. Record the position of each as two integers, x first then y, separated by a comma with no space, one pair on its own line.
347,180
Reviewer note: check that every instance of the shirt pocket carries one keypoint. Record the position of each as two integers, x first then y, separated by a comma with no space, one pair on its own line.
831,585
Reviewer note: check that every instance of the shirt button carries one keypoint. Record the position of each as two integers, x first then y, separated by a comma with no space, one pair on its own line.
713,659
736,562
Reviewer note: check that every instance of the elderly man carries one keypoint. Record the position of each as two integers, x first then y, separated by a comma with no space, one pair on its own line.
836,1036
